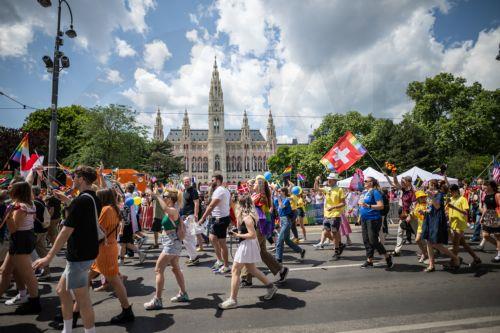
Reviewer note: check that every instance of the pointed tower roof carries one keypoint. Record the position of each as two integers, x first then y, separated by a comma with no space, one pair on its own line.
158,129
215,84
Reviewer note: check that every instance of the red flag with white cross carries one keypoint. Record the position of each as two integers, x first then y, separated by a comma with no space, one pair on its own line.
344,153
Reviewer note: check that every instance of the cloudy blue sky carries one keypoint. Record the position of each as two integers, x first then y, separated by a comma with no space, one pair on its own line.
306,58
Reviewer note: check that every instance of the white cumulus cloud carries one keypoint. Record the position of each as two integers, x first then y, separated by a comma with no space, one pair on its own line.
123,49
155,55
112,76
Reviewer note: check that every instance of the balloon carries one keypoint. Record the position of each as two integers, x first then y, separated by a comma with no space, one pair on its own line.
129,202
296,190
137,201
268,175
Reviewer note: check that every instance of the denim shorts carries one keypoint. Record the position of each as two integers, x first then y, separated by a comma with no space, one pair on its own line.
77,274
171,244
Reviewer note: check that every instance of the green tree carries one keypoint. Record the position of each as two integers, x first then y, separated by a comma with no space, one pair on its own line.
112,136
69,132
161,161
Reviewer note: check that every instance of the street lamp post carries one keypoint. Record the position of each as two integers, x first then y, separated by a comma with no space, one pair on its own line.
60,61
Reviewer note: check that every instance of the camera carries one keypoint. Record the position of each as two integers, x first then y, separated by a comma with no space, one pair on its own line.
233,230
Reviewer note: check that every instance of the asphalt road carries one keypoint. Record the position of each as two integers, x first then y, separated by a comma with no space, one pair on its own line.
319,296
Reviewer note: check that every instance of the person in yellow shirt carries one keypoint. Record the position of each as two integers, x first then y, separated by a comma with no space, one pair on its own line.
458,207
301,213
333,208
294,205
418,213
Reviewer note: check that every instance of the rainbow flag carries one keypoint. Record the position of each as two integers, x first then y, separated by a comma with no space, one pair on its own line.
287,172
301,177
22,151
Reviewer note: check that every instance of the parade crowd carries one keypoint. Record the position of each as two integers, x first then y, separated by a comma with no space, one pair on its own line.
102,224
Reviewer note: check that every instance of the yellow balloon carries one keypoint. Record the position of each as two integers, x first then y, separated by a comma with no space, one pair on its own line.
137,201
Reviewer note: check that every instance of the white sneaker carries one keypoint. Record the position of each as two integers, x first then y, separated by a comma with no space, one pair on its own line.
17,300
154,304
270,292
228,304
142,257
319,246
223,270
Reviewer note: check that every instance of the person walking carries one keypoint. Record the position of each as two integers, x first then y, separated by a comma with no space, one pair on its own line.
282,202
19,218
248,253
262,200
173,233
405,229
189,216
42,222
106,262
371,204
219,210
435,230
458,208
333,208
80,233
490,219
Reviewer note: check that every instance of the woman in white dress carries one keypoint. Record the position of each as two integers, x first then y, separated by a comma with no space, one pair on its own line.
248,253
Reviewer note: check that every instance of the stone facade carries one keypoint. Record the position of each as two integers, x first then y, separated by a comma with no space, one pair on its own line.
236,154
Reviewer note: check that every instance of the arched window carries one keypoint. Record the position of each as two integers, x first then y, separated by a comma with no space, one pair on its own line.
239,164
199,165
264,163
260,164
254,164
247,164
217,163
228,163
205,164
193,165
186,164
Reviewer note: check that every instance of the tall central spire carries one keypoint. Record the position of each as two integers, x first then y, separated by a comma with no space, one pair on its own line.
158,130
215,85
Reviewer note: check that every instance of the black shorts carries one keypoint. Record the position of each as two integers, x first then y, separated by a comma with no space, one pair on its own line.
156,227
331,224
491,230
218,227
300,212
128,235
22,242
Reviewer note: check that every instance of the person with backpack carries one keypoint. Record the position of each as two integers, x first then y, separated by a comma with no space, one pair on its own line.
42,222
81,232
371,204
126,233
173,234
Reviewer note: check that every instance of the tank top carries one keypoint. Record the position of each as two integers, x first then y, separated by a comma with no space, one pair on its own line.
489,201
29,220
242,229
167,224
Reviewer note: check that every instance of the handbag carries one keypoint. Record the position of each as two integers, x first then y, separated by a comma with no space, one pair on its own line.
100,233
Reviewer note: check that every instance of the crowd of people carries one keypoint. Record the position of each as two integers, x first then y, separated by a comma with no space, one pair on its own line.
101,226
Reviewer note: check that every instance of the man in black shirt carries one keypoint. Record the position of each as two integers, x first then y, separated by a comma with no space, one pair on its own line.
189,213
80,232
54,207
40,231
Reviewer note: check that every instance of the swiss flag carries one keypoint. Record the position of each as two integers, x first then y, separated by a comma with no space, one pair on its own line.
344,153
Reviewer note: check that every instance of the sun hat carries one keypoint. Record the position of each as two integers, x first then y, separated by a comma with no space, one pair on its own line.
420,194
333,175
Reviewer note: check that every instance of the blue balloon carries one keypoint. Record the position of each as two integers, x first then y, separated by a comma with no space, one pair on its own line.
296,190
268,175
129,202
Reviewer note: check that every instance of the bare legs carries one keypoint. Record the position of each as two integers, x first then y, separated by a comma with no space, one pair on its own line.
443,249
161,264
235,277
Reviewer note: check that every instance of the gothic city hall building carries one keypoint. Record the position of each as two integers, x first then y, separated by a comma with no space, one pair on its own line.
237,154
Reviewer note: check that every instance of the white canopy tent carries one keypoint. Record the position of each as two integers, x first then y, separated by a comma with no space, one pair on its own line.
368,172
424,175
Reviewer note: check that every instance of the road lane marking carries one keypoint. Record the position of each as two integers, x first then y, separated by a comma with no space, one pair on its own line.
429,325
332,266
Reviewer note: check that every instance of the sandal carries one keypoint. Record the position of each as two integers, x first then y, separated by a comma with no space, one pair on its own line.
429,269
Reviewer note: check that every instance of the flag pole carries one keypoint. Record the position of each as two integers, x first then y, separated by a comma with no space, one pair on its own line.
494,158
374,161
